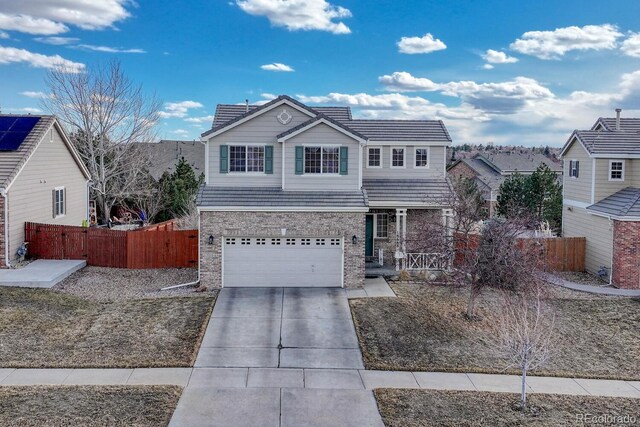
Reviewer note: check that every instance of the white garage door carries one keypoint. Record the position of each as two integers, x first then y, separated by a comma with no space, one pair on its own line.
282,262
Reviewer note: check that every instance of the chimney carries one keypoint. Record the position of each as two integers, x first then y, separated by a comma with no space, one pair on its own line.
618,111
246,103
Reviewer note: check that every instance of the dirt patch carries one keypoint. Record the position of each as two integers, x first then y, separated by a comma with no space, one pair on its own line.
118,284
582,278
424,329
40,328
413,408
88,405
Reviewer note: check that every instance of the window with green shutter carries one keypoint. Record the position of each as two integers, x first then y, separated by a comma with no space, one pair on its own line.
224,159
344,160
299,160
268,159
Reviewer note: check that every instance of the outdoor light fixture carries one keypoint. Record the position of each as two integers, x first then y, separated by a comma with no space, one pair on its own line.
354,239
211,239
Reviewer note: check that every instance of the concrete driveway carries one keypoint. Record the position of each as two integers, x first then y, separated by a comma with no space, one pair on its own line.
278,357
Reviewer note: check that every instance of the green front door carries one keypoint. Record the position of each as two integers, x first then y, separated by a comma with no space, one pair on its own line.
368,244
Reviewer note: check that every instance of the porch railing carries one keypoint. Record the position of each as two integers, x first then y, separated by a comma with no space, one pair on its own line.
426,261
381,256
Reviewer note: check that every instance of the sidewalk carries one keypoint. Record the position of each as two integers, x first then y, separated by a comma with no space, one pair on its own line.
592,289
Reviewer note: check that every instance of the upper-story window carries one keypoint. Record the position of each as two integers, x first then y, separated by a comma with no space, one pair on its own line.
397,157
374,157
246,158
322,160
616,170
422,157
574,168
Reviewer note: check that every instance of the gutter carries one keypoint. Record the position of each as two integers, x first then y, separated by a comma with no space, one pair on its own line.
3,193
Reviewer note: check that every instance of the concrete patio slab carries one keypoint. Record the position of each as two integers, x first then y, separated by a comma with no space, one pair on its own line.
443,381
388,379
319,333
378,287
160,376
333,379
242,332
36,376
219,378
275,378
356,293
555,386
321,408
611,388
98,376
320,358
248,302
315,303
227,407
41,273
4,373
498,383
212,357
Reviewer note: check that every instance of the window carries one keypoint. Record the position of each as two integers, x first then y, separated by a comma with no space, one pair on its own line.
422,157
246,158
322,160
616,170
397,157
59,200
574,168
382,222
374,159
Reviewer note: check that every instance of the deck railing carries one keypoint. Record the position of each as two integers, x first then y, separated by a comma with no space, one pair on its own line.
426,261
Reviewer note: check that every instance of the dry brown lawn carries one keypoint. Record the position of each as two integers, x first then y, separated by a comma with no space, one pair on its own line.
424,329
413,408
88,405
41,328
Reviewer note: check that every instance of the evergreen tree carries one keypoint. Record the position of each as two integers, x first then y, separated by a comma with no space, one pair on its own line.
512,200
181,188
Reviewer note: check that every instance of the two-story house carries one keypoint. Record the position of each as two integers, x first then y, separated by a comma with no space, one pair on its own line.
601,198
301,196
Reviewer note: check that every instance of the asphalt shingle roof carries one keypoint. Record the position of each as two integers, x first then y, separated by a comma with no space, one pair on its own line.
227,112
419,191
627,124
521,162
276,197
624,203
166,154
604,142
315,119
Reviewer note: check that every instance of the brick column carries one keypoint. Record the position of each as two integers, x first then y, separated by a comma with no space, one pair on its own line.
626,254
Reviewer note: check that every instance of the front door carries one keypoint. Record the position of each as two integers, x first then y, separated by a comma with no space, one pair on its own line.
368,244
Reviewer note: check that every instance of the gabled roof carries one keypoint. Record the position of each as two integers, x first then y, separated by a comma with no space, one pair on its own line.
411,192
321,118
11,162
624,203
227,112
515,161
606,143
627,124
401,130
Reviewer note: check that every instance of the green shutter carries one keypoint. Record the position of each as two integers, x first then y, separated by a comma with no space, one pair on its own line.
299,160
344,160
268,159
224,159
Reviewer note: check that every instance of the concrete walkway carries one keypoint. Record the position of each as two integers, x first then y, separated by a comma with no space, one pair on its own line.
600,290
41,273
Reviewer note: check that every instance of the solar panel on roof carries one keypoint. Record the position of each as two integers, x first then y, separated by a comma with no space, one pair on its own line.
14,130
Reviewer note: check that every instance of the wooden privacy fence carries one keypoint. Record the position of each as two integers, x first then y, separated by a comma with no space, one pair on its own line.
162,247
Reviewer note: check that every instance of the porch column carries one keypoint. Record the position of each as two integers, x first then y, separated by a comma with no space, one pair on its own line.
401,237
447,219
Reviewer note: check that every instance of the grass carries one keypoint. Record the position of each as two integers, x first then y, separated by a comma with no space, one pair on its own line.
412,408
88,405
40,328
424,329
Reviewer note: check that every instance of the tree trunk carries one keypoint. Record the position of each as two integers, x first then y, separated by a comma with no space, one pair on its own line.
471,305
523,395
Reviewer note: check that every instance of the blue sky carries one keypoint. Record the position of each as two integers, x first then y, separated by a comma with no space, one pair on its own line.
510,72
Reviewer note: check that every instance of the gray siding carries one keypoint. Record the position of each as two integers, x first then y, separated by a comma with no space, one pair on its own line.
578,189
259,130
436,167
604,187
30,196
598,231
318,135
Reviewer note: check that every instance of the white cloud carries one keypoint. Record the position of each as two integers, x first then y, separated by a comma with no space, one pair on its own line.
488,67
268,96
203,119
108,49
497,57
178,109
48,17
556,43
297,15
3,35
631,46
57,41
180,132
404,82
13,55
425,44
276,66
34,94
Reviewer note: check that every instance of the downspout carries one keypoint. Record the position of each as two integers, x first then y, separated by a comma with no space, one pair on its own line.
613,231
3,193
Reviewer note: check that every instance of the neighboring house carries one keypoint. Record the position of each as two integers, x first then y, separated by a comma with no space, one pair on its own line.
489,170
42,179
301,196
166,154
601,198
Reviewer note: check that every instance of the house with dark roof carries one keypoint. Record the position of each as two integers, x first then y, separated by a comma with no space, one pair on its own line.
304,196
601,198
42,179
164,156
489,170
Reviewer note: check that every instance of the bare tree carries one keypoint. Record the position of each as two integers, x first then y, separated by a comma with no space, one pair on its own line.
150,198
189,219
524,333
106,114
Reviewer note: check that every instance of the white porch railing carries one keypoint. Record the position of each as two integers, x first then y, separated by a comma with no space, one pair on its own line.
422,261
381,256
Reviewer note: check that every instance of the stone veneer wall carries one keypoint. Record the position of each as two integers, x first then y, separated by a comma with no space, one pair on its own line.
299,224
626,254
